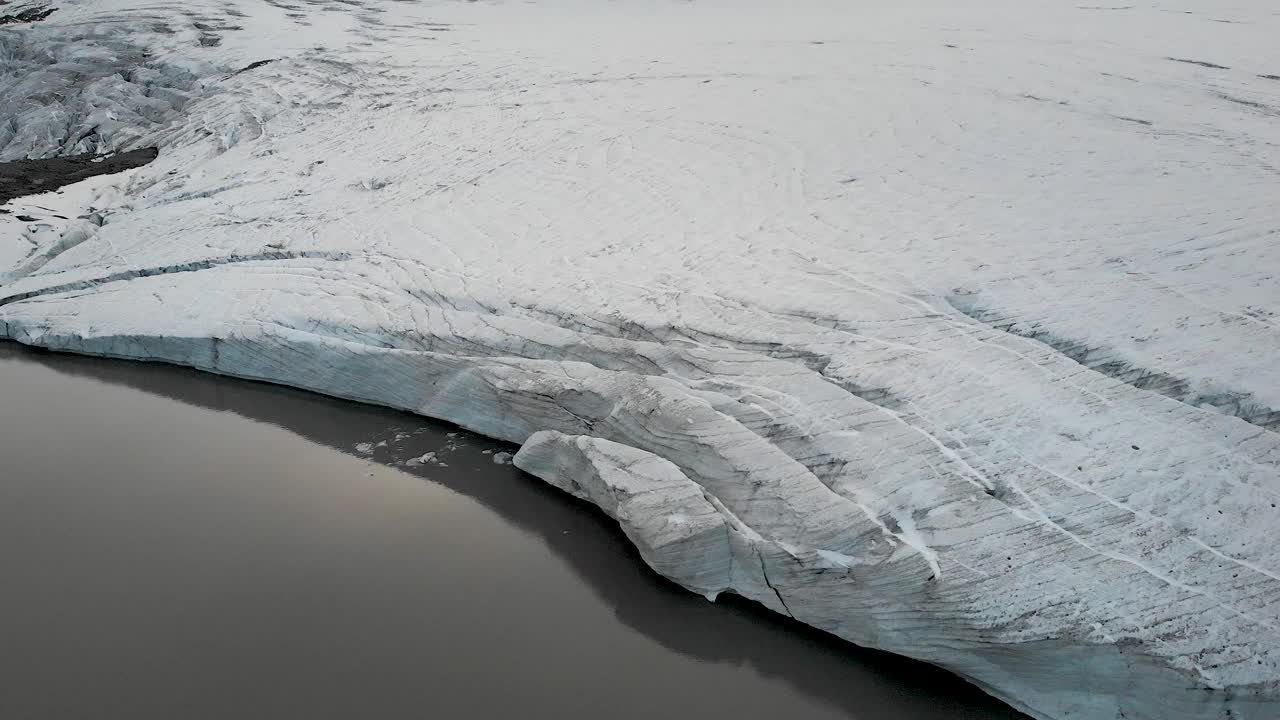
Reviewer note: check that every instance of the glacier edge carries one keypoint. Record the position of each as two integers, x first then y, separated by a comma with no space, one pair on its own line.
947,328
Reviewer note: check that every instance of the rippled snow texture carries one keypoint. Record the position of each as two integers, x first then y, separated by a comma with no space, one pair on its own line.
947,327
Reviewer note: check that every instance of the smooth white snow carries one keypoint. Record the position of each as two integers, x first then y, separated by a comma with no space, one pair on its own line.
948,327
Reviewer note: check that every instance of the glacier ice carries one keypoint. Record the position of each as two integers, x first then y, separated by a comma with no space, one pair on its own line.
948,328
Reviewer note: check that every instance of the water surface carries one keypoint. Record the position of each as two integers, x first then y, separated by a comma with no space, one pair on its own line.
175,544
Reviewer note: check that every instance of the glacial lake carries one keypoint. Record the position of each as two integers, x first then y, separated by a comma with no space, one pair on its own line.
180,545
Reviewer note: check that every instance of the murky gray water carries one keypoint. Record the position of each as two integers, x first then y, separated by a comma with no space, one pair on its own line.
179,545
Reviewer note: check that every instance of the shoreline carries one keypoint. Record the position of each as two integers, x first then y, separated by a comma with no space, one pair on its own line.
818,665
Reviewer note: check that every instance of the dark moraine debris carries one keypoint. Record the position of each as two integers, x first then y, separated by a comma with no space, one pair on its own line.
1235,403
1249,103
252,66
30,15
1138,121
1201,63
28,177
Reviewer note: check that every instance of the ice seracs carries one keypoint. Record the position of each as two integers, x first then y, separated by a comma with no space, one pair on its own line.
947,328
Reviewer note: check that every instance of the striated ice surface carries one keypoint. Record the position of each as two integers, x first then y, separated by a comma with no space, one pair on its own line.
947,327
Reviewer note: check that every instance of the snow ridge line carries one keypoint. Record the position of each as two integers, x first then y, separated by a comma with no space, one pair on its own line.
194,266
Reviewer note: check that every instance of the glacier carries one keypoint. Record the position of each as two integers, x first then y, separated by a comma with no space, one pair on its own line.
949,328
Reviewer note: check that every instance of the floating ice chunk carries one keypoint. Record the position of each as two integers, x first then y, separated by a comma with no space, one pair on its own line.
422,459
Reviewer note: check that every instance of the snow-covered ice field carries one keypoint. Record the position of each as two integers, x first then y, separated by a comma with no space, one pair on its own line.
948,327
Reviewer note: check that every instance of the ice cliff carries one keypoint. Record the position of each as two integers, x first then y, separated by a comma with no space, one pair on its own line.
949,328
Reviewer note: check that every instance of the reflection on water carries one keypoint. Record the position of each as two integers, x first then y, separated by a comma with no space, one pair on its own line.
177,544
